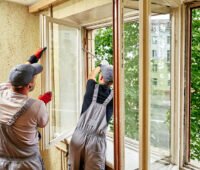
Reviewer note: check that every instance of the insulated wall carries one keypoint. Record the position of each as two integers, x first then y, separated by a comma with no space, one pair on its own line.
19,38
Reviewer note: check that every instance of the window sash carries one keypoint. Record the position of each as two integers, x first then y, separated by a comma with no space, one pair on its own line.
49,139
187,128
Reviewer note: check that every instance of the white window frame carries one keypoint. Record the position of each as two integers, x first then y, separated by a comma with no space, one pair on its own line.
179,119
45,78
177,89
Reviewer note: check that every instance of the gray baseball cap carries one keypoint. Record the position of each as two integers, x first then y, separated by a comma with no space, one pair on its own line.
107,73
22,74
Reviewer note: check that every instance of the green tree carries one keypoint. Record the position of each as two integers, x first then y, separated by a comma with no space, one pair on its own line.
104,45
131,70
195,86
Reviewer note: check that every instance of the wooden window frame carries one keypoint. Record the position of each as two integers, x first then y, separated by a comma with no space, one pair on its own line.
190,6
144,103
119,159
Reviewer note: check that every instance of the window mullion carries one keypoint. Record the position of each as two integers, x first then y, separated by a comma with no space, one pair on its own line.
144,85
118,85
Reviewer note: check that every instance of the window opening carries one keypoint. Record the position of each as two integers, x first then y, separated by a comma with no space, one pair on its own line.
195,89
160,87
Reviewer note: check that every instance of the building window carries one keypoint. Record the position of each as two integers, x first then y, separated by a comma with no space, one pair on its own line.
154,81
168,27
168,39
169,82
162,27
168,55
154,28
154,53
155,67
154,40
168,67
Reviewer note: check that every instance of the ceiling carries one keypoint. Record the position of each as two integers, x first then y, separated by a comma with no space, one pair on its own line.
24,2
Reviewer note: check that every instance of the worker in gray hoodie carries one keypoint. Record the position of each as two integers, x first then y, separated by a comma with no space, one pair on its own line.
20,116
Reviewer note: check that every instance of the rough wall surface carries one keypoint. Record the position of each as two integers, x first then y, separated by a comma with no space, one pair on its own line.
19,37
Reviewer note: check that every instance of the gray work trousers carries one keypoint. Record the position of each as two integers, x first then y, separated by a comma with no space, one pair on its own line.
87,151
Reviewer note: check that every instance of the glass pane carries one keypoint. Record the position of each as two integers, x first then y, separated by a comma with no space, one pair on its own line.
63,46
131,64
131,76
195,88
160,86
131,86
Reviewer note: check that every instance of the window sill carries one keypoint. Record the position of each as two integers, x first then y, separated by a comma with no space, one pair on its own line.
190,167
131,157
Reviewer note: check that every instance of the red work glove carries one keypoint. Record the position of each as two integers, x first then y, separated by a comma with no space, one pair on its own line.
46,97
35,57
39,52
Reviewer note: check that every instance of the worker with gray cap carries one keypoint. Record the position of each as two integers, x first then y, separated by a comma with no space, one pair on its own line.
20,116
88,143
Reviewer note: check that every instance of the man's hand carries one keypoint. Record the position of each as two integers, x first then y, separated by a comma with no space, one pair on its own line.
36,56
94,73
46,97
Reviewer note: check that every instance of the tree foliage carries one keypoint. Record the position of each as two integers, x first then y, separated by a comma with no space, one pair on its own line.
195,86
104,45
